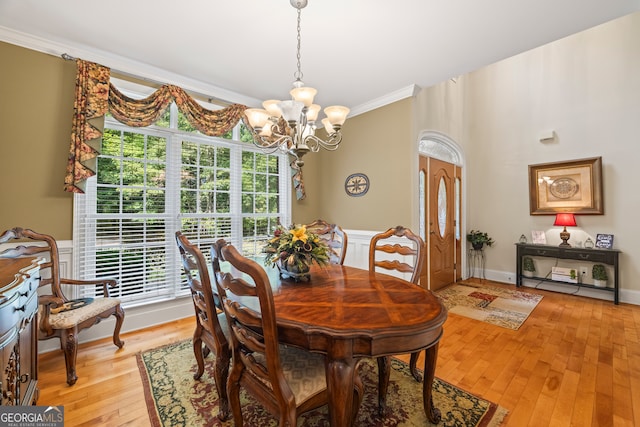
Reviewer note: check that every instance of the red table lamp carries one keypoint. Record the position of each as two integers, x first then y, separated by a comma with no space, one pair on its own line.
565,220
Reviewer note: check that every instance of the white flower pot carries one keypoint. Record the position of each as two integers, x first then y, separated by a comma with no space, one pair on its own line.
526,273
600,283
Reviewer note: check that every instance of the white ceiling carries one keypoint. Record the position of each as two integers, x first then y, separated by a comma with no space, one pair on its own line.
354,52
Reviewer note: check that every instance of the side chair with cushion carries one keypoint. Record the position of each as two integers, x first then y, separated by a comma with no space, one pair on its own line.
288,381
57,317
334,236
385,255
211,323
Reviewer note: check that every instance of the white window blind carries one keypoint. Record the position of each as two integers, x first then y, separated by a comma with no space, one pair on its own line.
151,182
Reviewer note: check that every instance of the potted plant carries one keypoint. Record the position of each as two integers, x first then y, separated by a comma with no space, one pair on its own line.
599,275
478,239
293,249
528,266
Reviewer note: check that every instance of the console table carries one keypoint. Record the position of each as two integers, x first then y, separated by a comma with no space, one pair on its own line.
603,256
19,279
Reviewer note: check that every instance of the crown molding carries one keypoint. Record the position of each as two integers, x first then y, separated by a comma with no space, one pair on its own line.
123,66
156,75
405,92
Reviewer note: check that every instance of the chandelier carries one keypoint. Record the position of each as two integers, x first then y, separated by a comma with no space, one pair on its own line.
290,126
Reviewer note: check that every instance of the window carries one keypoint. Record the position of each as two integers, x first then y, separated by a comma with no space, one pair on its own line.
153,181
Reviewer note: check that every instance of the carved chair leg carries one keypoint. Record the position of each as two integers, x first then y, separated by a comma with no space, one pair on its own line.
412,366
119,314
221,373
384,373
233,393
69,342
197,352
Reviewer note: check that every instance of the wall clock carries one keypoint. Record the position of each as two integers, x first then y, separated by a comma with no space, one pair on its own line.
356,184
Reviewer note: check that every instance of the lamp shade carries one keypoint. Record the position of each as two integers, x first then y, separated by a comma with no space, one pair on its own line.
565,220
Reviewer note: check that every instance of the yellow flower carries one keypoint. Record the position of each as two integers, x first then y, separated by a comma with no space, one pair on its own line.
299,234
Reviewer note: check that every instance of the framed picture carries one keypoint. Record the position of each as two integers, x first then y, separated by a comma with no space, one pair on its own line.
539,238
604,241
573,186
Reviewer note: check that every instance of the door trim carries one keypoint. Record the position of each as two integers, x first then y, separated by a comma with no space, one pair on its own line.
439,145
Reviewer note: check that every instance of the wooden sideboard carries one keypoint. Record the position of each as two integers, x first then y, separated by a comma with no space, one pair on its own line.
19,280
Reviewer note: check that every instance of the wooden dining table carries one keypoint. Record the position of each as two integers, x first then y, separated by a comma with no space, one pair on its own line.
347,313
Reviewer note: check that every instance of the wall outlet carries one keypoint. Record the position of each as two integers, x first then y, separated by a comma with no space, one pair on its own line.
583,271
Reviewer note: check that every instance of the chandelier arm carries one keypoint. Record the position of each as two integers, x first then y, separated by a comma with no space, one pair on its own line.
270,145
331,144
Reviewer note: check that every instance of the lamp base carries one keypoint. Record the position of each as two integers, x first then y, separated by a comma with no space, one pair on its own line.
564,235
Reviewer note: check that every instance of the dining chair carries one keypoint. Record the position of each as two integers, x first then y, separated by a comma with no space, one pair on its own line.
212,331
287,380
334,236
405,257
58,316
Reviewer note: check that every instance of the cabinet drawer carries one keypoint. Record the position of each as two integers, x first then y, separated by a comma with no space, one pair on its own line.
544,251
594,256
9,315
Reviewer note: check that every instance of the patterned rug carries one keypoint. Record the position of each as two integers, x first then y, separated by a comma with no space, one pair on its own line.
498,306
174,398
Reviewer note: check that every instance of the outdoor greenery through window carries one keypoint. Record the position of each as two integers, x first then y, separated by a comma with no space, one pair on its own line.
154,181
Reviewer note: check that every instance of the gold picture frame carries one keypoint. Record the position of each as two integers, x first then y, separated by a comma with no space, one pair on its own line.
572,186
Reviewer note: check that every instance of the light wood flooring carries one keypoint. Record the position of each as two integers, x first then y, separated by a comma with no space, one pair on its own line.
575,361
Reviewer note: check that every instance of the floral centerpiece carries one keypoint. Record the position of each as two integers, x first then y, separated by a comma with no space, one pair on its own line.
293,250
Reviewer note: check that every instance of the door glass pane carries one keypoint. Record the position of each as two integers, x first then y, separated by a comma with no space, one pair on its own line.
442,207
422,205
457,207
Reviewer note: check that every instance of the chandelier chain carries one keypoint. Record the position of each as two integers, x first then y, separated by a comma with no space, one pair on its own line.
298,74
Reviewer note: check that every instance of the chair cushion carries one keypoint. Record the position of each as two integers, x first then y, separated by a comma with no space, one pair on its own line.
303,370
70,318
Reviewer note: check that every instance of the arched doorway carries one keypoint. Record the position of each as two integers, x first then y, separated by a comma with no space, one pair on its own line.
440,189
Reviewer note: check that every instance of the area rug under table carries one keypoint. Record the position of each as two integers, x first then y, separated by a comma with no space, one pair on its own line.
174,398
491,304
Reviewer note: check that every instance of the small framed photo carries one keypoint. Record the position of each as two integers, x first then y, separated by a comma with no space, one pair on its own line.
604,241
539,238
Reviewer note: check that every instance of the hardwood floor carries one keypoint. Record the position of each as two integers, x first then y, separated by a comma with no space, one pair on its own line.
575,361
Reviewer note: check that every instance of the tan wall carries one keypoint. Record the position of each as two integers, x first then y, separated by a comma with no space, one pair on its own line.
379,144
36,107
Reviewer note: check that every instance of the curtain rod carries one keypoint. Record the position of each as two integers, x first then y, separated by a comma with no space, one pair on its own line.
208,98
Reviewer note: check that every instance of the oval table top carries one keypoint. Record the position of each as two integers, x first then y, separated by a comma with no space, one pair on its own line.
382,313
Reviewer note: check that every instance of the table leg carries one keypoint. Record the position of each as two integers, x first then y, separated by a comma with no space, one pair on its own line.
431,355
340,383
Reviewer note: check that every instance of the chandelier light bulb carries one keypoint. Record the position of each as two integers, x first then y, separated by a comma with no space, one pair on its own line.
271,105
258,118
304,94
328,127
291,110
266,130
312,112
336,114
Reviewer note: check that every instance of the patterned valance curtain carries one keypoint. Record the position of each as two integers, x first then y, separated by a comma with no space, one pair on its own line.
95,95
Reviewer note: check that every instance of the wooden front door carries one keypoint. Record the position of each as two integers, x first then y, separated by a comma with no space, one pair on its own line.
442,223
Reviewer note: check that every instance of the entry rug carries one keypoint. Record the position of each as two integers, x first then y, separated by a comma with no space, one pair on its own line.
498,306
174,398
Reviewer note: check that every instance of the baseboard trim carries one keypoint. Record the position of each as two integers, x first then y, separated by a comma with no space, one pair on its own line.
626,295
